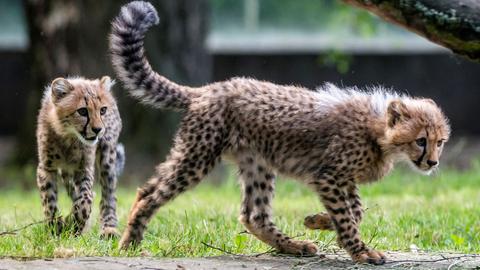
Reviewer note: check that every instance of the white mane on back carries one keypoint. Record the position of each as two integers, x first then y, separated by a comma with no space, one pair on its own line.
330,95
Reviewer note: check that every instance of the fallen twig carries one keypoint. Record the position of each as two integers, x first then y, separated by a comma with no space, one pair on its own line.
270,251
24,258
14,231
455,263
220,249
444,258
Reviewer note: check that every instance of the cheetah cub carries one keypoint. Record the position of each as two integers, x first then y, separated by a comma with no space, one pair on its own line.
78,128
331,139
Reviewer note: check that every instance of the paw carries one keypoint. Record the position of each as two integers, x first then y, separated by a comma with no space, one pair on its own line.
370,256
129,239
320,221
109,233
302,248
56,226
125,241
72,226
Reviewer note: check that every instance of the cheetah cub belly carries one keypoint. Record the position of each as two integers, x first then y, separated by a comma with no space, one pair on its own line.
331,139
77,131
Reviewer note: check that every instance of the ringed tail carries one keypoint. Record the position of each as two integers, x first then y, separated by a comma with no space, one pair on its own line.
131,65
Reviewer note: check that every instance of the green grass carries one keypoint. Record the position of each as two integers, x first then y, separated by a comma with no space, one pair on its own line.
439,213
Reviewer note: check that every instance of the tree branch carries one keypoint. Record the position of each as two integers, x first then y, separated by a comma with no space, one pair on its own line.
454,24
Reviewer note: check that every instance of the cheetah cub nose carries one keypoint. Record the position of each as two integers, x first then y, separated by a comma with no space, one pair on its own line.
96,130
432,163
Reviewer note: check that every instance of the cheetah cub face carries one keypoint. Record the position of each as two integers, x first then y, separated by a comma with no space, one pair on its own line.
416,132
80,107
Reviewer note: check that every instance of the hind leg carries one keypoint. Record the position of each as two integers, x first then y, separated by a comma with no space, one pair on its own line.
192,157
172,178
108,181
257,182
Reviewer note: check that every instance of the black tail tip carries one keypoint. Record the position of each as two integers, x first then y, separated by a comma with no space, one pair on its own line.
140,13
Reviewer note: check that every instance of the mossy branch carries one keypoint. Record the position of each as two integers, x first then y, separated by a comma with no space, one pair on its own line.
452,24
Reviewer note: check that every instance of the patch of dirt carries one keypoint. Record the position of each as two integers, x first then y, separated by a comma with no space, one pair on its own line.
397,260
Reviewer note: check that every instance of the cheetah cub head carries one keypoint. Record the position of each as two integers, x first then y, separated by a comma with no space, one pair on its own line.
80,107
416,131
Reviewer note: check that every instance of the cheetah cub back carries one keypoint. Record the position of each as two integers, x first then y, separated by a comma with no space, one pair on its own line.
77,131
331,139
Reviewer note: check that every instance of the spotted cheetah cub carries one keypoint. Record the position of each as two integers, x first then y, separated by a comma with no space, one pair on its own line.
78,128
330,139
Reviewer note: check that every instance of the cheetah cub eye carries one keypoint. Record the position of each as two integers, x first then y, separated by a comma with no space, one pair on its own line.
82,111
422,142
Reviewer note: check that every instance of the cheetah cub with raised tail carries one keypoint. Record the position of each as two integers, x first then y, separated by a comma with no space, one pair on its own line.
330,139
78,128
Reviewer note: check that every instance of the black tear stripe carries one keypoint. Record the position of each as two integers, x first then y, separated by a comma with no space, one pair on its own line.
88,119
419,160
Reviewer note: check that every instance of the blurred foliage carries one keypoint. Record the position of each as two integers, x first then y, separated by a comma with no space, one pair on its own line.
299,16
337,59
18,176
296,15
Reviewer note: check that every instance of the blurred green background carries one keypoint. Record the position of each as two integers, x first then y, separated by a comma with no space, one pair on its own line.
302,42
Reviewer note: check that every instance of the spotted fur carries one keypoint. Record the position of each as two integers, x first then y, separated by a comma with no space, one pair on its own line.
78,127
331,139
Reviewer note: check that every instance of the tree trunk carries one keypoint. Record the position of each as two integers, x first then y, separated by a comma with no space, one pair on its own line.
454,24
69,38
50,54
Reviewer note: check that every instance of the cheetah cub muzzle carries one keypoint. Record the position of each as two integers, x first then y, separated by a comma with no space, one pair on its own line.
77,131
331,139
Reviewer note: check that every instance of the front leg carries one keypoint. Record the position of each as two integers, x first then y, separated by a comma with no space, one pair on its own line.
108,181
257,181
341,211
82,205
323,221
47,184
355,202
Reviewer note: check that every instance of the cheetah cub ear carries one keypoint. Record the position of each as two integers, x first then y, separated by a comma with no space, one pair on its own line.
60,88
106,83
397,112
